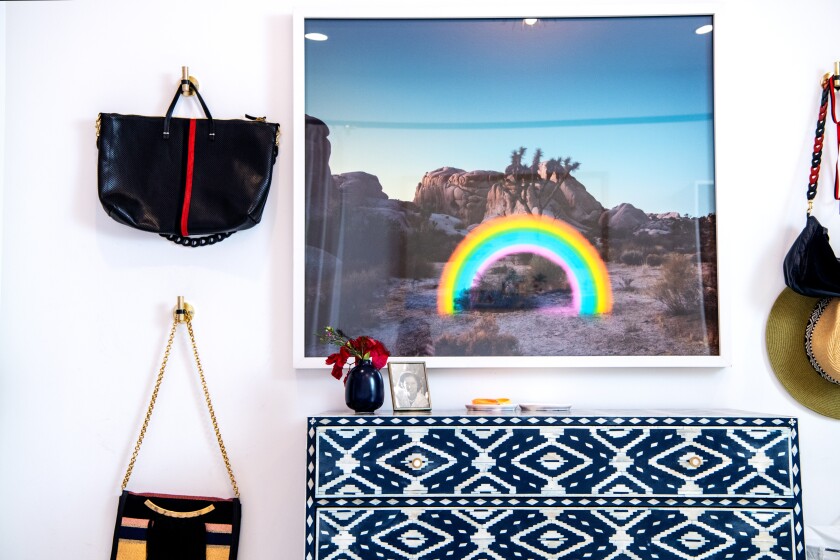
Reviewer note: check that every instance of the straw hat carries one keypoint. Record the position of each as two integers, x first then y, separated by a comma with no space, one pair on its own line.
803,342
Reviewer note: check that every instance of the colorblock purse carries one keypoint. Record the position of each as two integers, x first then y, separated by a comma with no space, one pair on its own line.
182,178
153,526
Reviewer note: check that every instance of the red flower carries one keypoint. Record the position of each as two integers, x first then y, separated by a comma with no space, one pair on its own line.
360,348
338,359
378,354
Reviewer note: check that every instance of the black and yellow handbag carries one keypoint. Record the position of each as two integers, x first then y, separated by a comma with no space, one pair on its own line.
152,526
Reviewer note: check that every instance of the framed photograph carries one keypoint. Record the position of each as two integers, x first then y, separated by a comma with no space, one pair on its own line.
409,386
508,191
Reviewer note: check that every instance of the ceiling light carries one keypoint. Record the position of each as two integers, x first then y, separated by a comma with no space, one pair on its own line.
530,21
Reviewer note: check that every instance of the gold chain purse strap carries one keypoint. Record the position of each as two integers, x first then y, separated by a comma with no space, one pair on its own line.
183,314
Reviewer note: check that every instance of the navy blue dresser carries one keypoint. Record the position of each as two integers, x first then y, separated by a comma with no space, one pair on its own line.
600,485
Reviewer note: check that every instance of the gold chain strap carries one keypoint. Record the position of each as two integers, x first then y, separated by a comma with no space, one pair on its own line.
206,398
210,410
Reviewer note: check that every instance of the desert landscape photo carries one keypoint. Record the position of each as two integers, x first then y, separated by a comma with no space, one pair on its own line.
393,188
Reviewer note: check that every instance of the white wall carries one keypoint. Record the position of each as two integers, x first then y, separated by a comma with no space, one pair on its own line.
2,128
85,301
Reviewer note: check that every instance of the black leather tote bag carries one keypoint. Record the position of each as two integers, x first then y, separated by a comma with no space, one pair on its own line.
183,178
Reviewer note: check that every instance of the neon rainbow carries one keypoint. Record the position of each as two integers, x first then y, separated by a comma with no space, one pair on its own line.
523,233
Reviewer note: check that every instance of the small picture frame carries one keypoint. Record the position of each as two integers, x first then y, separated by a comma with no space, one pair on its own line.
409,386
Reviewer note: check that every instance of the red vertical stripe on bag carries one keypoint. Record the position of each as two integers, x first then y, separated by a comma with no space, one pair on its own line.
185,211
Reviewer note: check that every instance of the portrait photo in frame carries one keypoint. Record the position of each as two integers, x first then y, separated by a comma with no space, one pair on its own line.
409,386
476,192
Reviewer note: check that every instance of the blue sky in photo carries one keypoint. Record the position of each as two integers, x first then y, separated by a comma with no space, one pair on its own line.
629,98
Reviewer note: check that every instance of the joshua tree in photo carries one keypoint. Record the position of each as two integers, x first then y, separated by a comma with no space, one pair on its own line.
532,191
516,161
559,169
535,163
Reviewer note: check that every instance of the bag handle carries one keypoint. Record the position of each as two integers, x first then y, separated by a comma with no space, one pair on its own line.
212,134
183,314
192,241
819,136
197,241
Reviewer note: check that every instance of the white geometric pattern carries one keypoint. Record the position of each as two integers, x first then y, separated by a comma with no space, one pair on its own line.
347,464
694,540
412,538
554,533
528,487
421,461
481,530
622,523
760,461
554,538
690,461
555,459
622,481
607,461
485,442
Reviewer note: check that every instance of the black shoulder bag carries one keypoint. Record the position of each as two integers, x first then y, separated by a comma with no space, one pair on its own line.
193,181
810,267
155,526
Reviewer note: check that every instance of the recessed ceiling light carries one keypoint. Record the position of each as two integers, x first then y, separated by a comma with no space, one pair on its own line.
530,21
703,29
316,37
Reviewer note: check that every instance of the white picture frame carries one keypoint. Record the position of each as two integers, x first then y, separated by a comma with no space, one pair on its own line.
303,357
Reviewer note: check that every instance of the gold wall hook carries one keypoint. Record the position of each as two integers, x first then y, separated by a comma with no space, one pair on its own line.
183,311
185,76
837,75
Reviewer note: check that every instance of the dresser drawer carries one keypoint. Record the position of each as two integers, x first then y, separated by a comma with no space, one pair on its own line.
538,533
554,461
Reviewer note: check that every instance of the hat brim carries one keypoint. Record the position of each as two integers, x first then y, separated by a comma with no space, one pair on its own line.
785,337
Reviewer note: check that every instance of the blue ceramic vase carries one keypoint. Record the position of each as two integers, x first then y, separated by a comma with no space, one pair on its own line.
364,390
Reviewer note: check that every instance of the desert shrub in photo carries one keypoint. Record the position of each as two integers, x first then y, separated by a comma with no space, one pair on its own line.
685,235
654,260
632,257
502,293
679,286
523,259
483,340
644,241
500,269
546,276
497,291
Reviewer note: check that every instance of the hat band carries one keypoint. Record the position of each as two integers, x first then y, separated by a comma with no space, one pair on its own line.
809,331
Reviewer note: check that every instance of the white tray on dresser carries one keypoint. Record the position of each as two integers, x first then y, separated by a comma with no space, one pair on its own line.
597,484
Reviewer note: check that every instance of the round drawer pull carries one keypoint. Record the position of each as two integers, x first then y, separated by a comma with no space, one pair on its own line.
416,463
695,461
